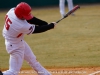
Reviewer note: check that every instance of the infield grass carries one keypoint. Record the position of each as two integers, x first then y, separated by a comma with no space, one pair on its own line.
75,41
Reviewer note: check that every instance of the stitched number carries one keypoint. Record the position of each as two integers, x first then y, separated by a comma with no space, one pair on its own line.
8,22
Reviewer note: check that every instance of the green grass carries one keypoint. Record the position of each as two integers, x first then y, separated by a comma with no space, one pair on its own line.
75,41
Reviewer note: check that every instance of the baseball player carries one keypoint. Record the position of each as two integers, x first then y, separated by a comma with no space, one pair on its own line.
18,22
62,6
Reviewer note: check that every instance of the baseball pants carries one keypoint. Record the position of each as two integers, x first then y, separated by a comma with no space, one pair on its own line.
21,52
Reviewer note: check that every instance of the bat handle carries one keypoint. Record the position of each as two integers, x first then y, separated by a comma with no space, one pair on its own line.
57,21
60,20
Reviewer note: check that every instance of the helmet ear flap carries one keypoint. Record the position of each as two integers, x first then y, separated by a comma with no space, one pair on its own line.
22,10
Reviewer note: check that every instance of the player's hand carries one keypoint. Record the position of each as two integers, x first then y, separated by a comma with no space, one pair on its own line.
54,23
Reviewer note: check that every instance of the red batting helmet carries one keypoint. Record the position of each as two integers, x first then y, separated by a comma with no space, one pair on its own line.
23,11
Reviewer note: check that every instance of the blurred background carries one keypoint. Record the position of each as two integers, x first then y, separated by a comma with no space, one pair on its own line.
41,3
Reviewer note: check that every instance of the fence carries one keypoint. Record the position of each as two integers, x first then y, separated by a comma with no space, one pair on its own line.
40,3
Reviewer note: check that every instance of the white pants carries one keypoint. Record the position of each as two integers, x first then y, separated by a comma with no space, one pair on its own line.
62,6
20,53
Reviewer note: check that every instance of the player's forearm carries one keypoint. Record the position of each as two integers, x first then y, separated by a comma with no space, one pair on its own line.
39,29
37,21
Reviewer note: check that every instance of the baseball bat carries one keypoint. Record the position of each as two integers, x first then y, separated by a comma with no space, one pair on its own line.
68,13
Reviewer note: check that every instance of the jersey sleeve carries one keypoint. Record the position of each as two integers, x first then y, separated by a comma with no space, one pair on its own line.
28,28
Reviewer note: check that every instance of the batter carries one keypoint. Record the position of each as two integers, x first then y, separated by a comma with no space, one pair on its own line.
18,22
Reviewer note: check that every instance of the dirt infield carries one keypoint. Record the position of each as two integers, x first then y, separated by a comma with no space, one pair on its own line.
66,71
